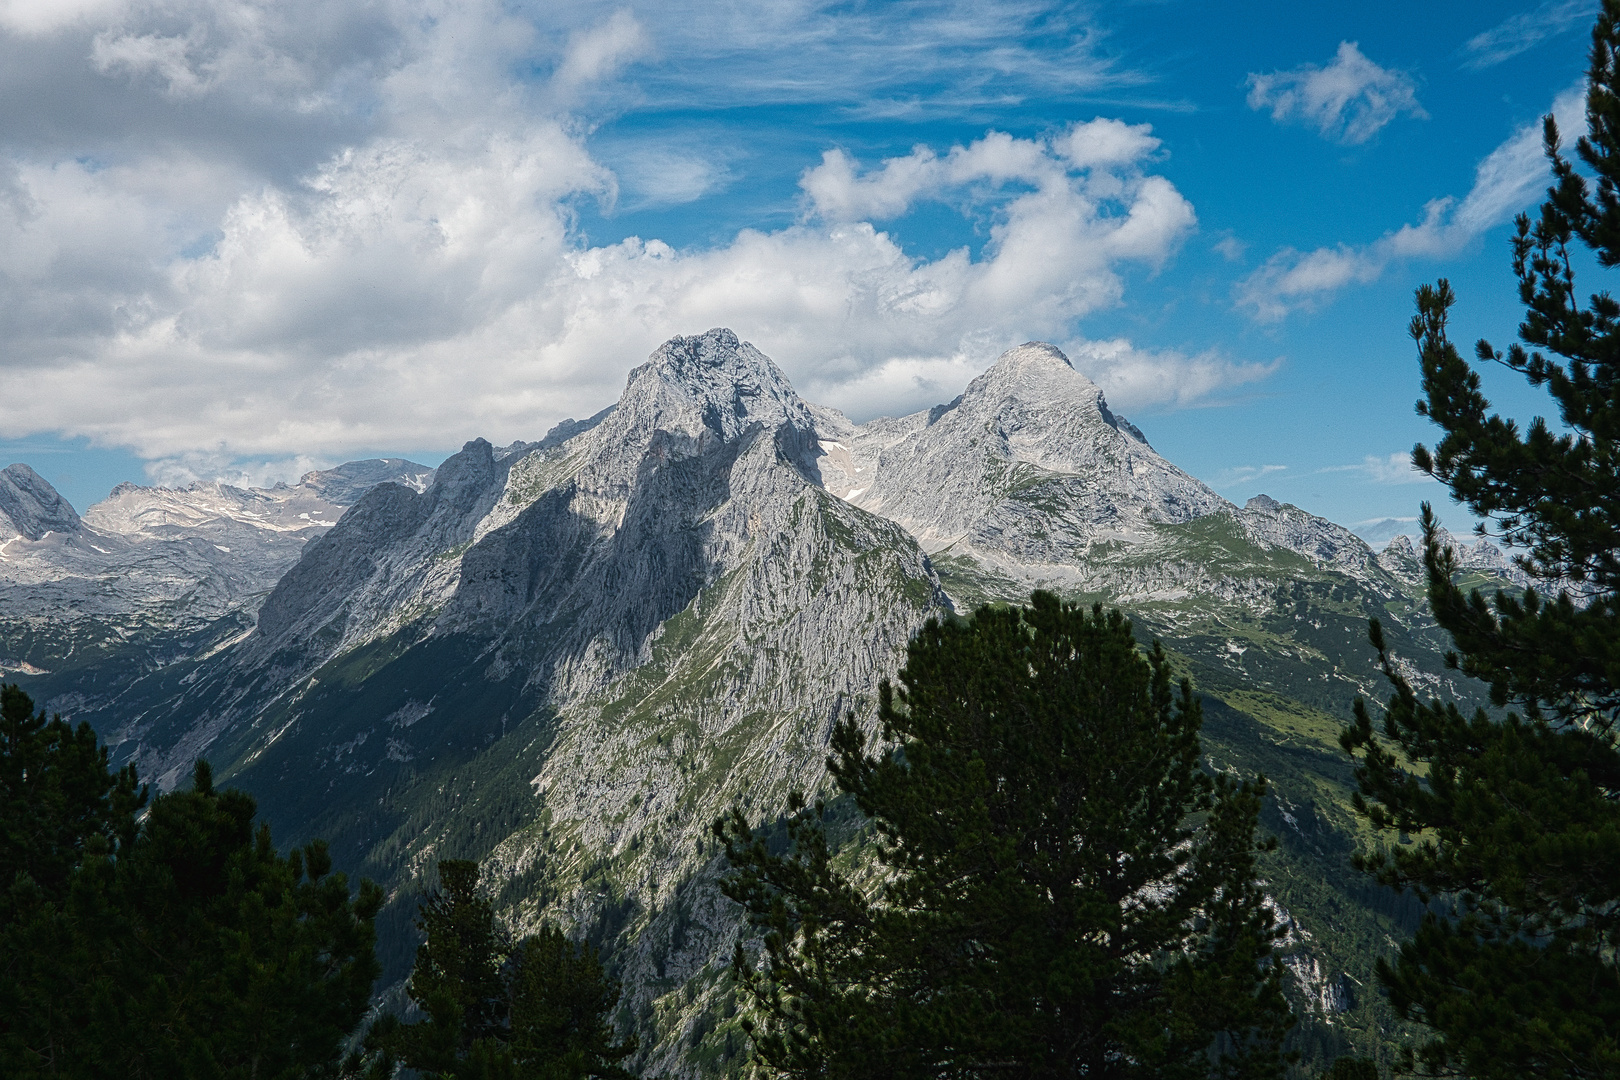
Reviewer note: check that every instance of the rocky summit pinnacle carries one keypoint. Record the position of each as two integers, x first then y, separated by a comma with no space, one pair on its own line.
31,506
1030,434
1049,414
711,382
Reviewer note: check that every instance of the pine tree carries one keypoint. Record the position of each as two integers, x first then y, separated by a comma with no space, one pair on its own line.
185,946
219,956
56,796
59,803
1517,815
561,1001
495,1010
1061,890
456,981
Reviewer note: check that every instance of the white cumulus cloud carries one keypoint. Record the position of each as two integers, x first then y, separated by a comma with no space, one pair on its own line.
1393,469
1133,378
1348,101
355,226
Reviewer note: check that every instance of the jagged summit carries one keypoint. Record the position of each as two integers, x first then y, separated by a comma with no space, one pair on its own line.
1047,413
1031,420
30,506
710,382
1034,355
1033,375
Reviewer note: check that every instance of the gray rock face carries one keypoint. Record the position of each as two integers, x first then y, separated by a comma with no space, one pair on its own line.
1282,525
344,484
665,598
165,572
959,478
585,546
1028,480
31,507
567,657
384,562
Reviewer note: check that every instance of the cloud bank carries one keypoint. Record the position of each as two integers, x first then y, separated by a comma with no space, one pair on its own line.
1393,470
288,231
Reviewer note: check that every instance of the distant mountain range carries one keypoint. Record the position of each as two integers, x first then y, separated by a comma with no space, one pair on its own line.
565,658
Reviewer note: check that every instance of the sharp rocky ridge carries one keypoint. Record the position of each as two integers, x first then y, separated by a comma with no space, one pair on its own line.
153,575
567,657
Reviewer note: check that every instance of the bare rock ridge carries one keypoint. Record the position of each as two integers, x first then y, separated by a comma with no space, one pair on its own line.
31,507
613,637
1030,421
588,545
151,574
565,658
1029,478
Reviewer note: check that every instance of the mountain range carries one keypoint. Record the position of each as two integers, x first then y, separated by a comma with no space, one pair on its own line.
565,658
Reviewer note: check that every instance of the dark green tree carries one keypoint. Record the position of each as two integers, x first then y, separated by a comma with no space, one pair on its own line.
1517,814
561,999
186,947
59,802
1060,890
456,983
220,957
56,796
494,1010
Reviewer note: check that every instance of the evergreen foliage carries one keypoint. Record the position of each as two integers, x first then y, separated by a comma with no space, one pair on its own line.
58,801
1517,817
495,1010
186,947
1351,1069
1061,891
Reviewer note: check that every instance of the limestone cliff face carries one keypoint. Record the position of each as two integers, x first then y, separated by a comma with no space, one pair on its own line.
1029,462
614,636
30,507
566,658
153,575
1028,480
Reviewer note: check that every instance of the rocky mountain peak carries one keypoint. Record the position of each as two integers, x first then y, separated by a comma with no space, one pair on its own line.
1048,414
344,484
1033,373
1029,435
31,506
711,382
1037,356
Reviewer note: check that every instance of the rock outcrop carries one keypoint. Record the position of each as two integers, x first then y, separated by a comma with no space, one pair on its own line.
30,507
153,575
567,657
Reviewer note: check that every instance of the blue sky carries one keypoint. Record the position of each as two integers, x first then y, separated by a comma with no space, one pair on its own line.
240,239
